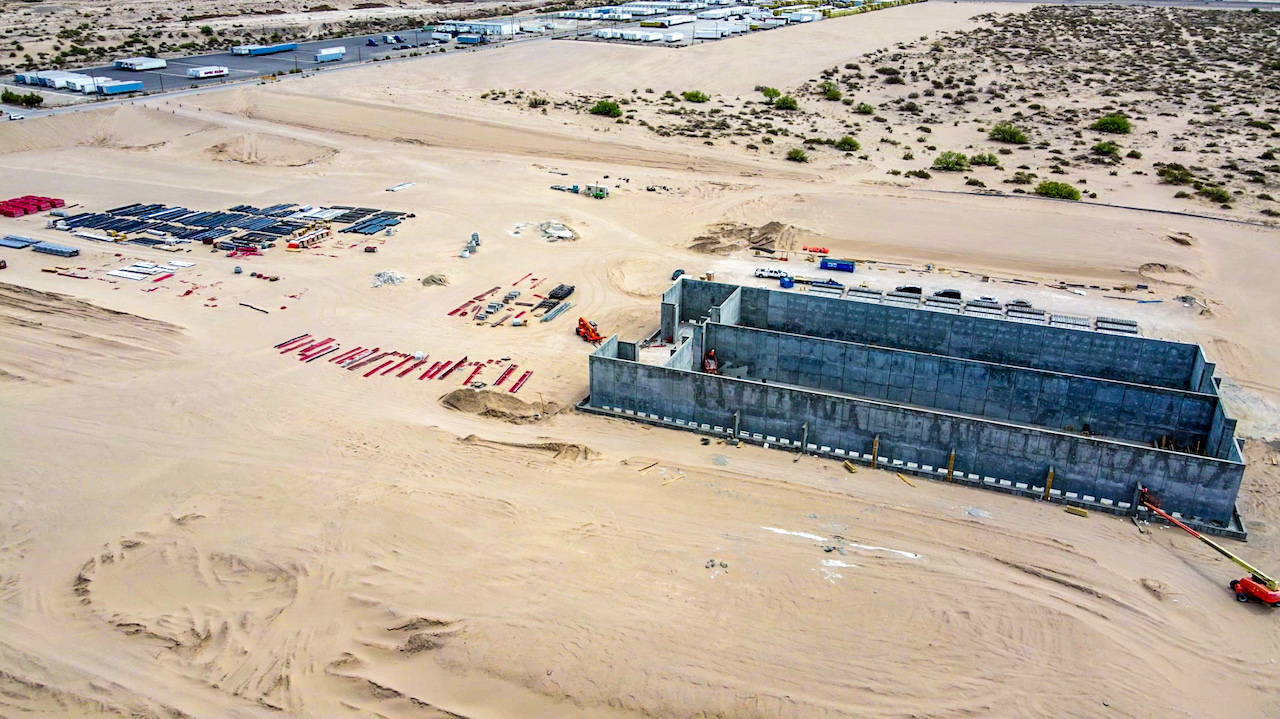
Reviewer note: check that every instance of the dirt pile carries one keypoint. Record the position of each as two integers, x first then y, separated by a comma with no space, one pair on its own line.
495,405
253,148
727,237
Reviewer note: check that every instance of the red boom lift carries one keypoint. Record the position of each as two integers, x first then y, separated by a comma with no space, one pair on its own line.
1258,585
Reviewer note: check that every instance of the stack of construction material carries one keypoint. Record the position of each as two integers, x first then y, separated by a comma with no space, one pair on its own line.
49,248
29,205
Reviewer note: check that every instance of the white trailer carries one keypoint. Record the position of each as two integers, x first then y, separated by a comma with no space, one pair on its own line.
673,37
208,71
331,54
138,64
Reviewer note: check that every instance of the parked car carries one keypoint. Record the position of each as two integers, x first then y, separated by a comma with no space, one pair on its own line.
910,290
16,116
949,294
371,43
771,272
676,275
989,298
1019,303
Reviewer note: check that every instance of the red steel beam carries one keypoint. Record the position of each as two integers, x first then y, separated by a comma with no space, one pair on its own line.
451,369
313,358
432,368
375,369
505,374
403,362
520,382
413,367
473,374
292,344
370,360
346,355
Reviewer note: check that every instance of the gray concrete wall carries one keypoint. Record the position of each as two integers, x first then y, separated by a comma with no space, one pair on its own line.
1200,487
698,297
1125,358
1051,400
682,358
671,311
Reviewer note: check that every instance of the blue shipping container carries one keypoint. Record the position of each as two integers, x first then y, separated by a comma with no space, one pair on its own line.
842,265
470,39
118,87
271,49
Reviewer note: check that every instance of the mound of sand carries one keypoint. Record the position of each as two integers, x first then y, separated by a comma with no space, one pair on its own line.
498,405
570,451
126,127
49,336
252,148
727,237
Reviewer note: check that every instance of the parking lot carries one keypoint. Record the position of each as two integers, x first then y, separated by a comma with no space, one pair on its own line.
245,67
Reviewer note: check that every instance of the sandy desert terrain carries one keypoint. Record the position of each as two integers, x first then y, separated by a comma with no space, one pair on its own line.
196,525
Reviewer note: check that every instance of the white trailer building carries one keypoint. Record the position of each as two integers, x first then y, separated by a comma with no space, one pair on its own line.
138,64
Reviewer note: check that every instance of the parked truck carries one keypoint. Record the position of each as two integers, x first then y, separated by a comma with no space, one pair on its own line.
207,71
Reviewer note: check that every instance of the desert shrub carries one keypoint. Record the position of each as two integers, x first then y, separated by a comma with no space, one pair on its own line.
985,158
1220,195
1259,124
1175,174
1107,149
832,93
695,96
1267,155
864,108
922,174
1057,190
890,71
1265,196
1113,124
796,154
894,80
606,108
786,102
975,182
539,102
1008,132
1134,155
1021,178
847,144
949,161
1182,194
770,93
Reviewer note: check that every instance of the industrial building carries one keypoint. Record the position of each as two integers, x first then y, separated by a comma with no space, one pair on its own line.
1005,401
479,27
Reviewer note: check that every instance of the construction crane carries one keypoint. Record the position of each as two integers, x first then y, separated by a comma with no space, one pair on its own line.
1258,585
589,331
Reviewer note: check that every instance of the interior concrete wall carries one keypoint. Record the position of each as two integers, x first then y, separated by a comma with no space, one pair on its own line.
1051,400
1200,487
1125,358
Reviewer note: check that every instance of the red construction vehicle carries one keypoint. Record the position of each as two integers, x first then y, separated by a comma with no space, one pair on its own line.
1258,585
710,364
589,331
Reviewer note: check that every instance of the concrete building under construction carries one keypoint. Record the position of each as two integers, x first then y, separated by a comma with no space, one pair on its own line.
982,400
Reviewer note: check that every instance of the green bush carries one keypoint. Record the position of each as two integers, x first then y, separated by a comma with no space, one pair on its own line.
1107,149
786,102
606,108
864,108
1134,154
949,161
985,158
1113,124
1057,190
29,99
1175,174
770,93
538,102
830,91
1259,124
922,174
695,96
795,154
1008,132
847,144
1218,194
975,182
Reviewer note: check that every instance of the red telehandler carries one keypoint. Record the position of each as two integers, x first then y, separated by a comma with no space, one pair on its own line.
588,331
1258,585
